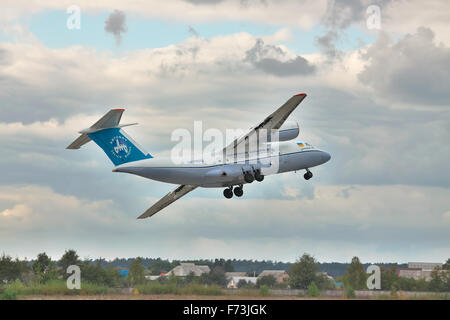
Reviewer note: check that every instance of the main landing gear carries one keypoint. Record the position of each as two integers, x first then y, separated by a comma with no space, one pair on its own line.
308,175
238,192
228,193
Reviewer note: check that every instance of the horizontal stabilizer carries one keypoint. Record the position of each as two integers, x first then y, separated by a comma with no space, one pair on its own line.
81,140
109,120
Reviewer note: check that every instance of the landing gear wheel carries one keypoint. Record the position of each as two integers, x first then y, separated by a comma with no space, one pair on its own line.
258,176
248,177
228,193
238,192
308,175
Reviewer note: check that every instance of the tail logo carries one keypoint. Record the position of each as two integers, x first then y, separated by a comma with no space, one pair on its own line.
120,147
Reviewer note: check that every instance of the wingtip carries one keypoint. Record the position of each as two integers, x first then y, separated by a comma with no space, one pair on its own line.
118,109
300,94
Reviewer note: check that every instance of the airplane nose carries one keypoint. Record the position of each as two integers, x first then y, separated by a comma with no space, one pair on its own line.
325,156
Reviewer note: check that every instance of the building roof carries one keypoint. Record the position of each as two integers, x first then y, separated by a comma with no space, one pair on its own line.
235,274
424,265
184,269
274,273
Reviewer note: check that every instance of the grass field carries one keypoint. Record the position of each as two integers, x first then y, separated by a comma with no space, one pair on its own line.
57,290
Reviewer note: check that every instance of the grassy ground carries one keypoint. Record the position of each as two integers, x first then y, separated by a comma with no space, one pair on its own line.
57,290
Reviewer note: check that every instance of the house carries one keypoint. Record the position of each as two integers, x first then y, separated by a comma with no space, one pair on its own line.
418,270
151,278
279,275
234,280
185,269
425,266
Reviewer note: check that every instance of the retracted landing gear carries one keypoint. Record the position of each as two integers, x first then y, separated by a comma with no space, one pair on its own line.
248,177
308,175
258,176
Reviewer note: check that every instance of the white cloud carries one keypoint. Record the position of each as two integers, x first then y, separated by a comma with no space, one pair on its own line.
380,219
387,162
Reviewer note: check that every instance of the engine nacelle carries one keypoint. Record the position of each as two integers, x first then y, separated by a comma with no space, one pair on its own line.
288,131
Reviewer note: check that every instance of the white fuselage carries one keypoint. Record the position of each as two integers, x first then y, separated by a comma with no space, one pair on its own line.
229,171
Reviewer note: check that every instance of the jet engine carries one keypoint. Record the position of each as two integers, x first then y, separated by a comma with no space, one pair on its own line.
288,131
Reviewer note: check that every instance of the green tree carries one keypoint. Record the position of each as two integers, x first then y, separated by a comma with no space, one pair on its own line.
217,276
69,258
44,268
137,271
440,280
303,272
388,277
50,273
313,290
41,264
11,270
268,281
95,273
323,282
355,276
244,284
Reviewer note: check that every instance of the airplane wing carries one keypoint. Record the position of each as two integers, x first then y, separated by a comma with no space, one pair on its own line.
167,199
274,121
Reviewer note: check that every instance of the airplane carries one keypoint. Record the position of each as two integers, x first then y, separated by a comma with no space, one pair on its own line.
237,164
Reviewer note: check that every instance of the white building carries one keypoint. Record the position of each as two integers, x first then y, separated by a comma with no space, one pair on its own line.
418,270
234,280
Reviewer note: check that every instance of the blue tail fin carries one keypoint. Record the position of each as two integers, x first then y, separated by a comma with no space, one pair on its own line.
118,146
108,135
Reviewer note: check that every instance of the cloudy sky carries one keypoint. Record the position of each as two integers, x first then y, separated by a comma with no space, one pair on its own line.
378,101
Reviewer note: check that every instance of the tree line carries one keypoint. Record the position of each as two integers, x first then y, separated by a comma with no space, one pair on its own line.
305,273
